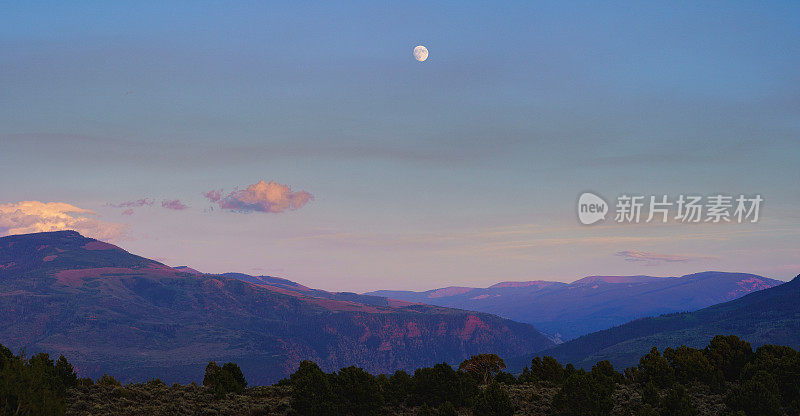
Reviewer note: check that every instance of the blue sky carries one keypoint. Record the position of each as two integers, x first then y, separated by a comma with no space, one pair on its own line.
463,169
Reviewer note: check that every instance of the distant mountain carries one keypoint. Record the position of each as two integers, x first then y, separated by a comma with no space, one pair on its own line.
770,316
566,311
108,310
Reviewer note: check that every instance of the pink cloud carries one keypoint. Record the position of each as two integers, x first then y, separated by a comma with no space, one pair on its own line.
128,211
262,196
213,195
174,204
34,216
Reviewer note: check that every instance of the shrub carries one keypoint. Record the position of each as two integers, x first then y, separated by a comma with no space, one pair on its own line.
446,409
107,380
154,383
425,410
505,378
646,410
493,401
678,403
631,374
85,381
650,395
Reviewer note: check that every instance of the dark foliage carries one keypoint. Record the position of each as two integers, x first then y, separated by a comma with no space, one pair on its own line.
650,395
757,396
505,378
654,368
225,379
351,391
783,365
678,403
357,392
729,354
483,367
440,383
398,388
35,386
689,365
584,394
543,369
604,372
493,401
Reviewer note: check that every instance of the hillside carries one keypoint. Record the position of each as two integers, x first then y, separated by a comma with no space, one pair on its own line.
770,316
568,310
108,310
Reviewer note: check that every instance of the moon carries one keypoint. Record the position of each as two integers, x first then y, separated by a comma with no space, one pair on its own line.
420,53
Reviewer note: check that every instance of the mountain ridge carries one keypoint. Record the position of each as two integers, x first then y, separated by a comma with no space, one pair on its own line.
592,303
110,311
769,316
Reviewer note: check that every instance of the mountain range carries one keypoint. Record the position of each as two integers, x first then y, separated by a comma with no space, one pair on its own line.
770,316
110,311
568,310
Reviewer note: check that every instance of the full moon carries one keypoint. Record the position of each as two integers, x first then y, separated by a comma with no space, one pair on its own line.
420,53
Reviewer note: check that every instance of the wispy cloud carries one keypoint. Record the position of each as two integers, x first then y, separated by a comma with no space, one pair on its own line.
128,211
653,259
143,202
174,204
34,216
262,196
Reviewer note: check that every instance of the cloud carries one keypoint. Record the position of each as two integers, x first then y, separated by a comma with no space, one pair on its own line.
34,216
174,204
128,211
262,196
653,259
133,204
213,195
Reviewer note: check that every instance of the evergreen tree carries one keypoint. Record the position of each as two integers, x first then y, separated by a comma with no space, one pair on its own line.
358,392
689,364
728,354
757,396
584,394
654,368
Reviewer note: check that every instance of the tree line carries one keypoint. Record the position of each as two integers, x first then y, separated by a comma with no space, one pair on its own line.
764,382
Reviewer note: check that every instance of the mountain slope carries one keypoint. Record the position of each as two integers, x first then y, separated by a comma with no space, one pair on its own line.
593,303
111,311
770,316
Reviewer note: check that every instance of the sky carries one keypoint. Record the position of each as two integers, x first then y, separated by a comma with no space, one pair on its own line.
302,139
